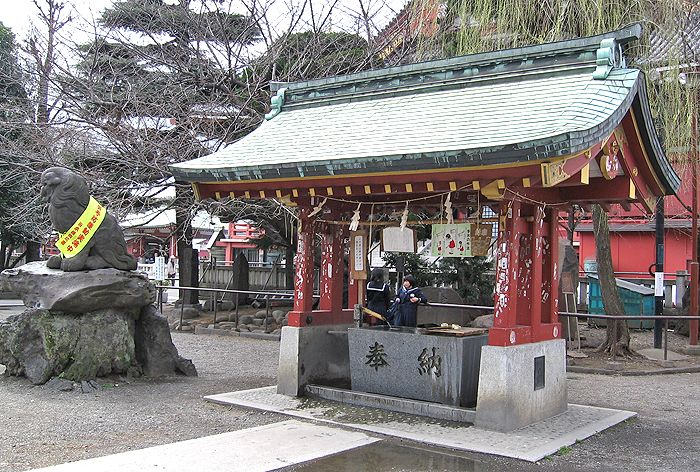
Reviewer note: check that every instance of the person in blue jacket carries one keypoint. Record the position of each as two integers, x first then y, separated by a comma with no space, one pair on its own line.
408,299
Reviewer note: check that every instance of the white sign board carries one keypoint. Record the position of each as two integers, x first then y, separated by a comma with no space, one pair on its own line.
658,284
395,239
159,268
358,255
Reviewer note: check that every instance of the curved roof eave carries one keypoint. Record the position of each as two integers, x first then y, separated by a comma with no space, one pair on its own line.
657,157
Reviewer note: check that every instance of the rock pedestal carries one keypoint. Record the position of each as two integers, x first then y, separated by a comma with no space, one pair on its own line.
83,325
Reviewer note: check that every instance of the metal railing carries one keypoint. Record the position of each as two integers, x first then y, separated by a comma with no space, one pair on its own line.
290,296
664,318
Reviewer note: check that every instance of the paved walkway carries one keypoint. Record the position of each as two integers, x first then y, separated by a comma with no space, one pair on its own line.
293,442
531,443
251,450
10,307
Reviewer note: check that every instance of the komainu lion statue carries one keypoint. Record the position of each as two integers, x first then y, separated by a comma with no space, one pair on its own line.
68,198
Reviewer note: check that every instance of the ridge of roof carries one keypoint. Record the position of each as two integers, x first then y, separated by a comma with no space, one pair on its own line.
518,58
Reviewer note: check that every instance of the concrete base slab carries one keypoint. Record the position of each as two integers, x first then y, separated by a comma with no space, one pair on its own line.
385,402
260,335
215,331
256,449
692,350
243,334
655,354
530,443
520,385
312,354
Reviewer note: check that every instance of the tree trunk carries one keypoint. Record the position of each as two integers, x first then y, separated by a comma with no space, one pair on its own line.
617,340
33,252
289,268
183,223
4,253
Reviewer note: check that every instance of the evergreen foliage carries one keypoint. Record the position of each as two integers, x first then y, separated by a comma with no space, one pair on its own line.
472,276
310,55
18,190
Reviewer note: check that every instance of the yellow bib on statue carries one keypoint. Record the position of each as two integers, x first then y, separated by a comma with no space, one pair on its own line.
75,239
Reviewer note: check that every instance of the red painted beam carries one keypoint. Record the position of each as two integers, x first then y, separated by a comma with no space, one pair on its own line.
599,190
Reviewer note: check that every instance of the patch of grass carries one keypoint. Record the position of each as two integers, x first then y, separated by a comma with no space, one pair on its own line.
564,450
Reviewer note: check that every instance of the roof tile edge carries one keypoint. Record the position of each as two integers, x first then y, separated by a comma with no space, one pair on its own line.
588,44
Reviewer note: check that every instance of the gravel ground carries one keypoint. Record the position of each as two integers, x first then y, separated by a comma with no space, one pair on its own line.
41,427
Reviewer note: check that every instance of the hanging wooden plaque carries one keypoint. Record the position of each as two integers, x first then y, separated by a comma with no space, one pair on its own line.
394,239
451,240
358,255
481,238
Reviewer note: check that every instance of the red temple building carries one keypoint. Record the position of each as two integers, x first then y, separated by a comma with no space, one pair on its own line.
528,132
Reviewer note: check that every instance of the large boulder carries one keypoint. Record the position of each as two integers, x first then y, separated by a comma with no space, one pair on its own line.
39,344
77,292
155,351
83,325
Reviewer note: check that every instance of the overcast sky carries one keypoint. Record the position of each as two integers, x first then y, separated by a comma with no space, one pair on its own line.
19,14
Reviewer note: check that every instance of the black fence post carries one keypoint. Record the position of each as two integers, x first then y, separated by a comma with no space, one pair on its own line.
237,294
215,302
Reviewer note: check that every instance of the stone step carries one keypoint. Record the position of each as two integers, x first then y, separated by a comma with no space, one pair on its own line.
385,402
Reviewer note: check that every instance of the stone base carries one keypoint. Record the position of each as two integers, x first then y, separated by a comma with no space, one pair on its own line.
441,369
692,350
82,325
513,392
313,355
40,344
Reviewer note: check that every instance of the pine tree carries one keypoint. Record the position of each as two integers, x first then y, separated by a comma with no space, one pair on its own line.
16,191
162,86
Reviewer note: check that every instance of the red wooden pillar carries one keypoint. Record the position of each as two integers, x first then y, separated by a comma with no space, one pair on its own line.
303,272
527,281
551,308
538,263
331,283
354,286
229,253
509,296
547,327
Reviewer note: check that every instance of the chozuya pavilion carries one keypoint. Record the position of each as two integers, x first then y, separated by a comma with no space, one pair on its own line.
527,131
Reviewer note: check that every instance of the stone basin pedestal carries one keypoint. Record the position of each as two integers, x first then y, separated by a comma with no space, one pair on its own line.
404,363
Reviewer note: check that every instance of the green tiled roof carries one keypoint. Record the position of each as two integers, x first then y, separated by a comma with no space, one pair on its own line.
462,112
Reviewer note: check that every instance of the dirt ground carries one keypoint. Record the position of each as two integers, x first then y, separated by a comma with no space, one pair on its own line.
585,356
592,338
40,426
